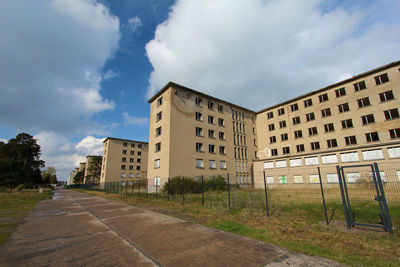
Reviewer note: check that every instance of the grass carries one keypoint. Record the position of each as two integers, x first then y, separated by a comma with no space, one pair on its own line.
296,222
14,206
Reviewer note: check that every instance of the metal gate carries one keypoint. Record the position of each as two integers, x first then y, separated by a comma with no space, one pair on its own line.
368,184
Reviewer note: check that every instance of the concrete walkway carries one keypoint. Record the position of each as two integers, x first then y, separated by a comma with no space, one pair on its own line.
75,229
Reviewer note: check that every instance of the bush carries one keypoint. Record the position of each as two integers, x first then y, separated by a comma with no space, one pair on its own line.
194,186
19,187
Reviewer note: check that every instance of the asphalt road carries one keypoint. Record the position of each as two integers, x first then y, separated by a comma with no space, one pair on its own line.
75,229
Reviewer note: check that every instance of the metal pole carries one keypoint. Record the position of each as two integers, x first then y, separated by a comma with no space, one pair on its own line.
183,189
323,197
156,190
229,193
387,215
348,224
266,195
348,199
202,191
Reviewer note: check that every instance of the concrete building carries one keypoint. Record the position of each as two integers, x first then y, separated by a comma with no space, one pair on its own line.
123,159
92,164
353,121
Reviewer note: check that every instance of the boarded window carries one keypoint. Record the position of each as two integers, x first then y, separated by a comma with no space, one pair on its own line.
312,161
281,164
353,177
332,178
295,162
372,154
314,178
269,165
283,179
329,159
270,180
298,179
349,157
394,152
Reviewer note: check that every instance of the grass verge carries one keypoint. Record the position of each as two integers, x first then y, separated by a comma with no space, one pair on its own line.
14,206
296,225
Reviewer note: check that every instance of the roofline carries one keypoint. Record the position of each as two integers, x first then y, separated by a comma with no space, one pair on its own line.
94,156
113,138
333,85
172,84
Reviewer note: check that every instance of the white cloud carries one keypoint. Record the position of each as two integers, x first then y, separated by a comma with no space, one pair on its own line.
64,155
109,75
4,140
132,120
257,53
52,54
134,23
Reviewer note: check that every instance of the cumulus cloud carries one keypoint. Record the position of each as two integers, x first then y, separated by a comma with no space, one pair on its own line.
52,53
134,23
258,53
109,75
132,120
58,151
3,140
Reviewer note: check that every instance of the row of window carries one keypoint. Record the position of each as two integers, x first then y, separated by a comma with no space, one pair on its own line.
385,96
239,140
211,133
131,160
211,148
131,167
241,167
240,153
125,144
238,115
130,175
211,119
210,104
132,152
211,164
240,127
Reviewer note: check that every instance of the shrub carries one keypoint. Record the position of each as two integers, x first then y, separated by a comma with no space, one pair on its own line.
194,186
19,187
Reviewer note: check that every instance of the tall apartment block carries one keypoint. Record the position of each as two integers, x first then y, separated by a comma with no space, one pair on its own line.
193,134
350,122
123,159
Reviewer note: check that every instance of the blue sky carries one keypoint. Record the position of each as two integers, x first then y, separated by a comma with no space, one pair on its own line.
73,72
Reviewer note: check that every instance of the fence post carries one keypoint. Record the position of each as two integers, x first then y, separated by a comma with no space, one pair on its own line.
202,191
229,193
183,189
139,190
343,197
382,193
168,188
156,190
323,197
266,195
126,188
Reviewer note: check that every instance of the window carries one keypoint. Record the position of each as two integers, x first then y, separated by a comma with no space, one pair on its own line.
315,146
211,119
326,112
363,102
310,116
381,79
360,86
159,101
199,147
272,139
296,120
198,101
312,131
199,116
331,143
211,148
222,164
270,115
158,131
284,137
367,119
271,127
311,161
211,105
255,142
123,159
372,154
349,157
351,140
394,133
222,150
295,162
123,175
211,164
131,160
132,145
386,96
340,92
343,107
298,134
294,107
139,145
138,168
307,102
156,163
159,116
274,152
347,124
199,131
220,109
221,135
123,167
372,137
138,160
323,98
139,153
158,147
391,114
125,144
300,148
124,151
281,111
211,134
131,175
329,127
326,159
286,150
282,124
220,122
138,175
281,164
199,163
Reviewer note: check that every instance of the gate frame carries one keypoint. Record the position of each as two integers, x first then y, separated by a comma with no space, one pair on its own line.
380,197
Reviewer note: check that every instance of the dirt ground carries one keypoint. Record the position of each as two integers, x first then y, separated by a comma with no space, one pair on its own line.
76,229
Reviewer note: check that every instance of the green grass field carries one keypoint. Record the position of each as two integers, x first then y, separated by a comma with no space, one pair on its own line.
296,222
14,206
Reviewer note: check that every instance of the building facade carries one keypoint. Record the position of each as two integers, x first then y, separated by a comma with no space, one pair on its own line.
123,159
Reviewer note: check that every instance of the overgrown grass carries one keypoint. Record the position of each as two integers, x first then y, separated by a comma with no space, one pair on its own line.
296,222
14,206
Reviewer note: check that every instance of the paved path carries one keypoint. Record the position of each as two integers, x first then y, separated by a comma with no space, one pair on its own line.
75,229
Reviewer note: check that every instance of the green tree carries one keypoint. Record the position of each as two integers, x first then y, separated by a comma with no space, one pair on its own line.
78,179
49,175
94,168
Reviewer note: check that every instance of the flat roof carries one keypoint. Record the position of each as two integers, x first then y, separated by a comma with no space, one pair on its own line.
113,138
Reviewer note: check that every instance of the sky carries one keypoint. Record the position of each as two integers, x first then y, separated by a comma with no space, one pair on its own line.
73,72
